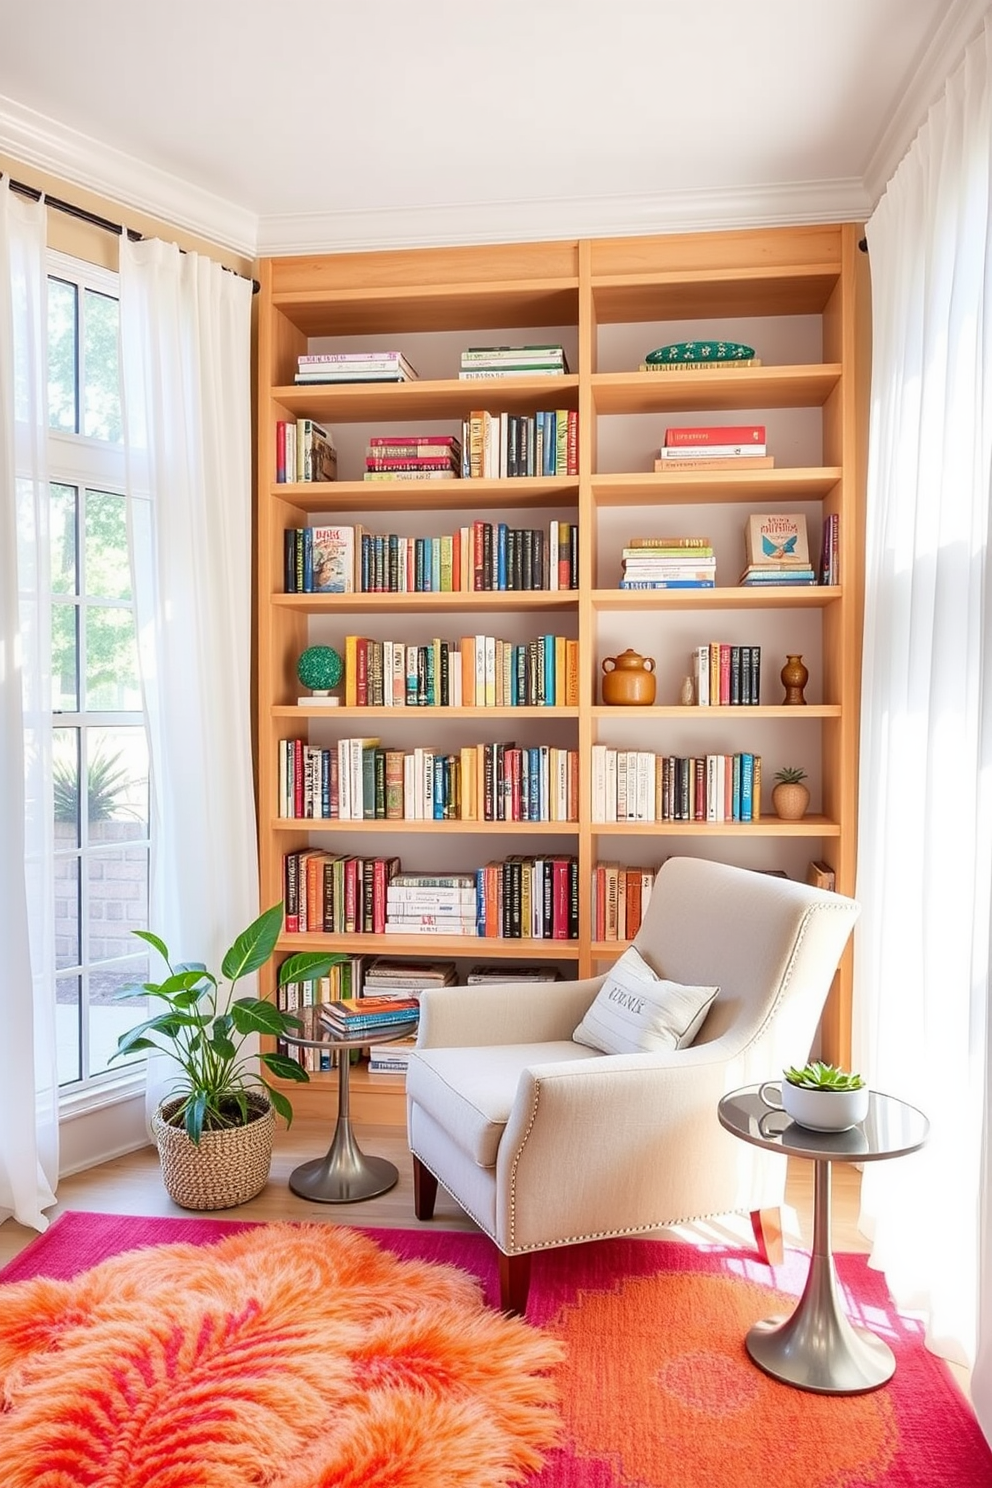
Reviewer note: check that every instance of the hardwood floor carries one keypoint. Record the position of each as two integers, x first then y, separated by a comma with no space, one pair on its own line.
132,1185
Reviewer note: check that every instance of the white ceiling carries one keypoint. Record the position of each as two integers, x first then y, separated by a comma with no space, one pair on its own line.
322,124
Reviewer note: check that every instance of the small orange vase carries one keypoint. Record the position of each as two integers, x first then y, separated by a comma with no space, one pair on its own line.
629,680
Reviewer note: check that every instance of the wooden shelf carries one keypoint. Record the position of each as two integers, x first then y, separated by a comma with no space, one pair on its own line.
801,294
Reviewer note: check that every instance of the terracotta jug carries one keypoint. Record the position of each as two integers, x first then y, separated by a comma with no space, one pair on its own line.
629,680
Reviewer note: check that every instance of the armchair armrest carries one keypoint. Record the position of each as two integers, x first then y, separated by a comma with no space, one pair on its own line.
502,1013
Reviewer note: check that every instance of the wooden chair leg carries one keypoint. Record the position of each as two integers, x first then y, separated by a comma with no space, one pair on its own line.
514,1282
424,1190
767,1227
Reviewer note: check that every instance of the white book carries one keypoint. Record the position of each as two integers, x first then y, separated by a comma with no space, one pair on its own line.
598,779
409,788
394,929
387,674
504,438
489,675
544,783
622,815
344,780
702,676
611,785
480,671
553,549
284,799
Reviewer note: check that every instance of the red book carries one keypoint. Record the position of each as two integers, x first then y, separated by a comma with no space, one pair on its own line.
559,899
573,442
352,878
443,439
297,777
724,674
281,450
715,434
362,672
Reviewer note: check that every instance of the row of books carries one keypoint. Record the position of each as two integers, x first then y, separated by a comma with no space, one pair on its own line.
544,360
660,563
635,785
501,445
620,897
726,675
480,671
305,451
329,558
353,366
830,550
518,897
359,780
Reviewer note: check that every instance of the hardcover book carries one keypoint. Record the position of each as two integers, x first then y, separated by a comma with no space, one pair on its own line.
776,539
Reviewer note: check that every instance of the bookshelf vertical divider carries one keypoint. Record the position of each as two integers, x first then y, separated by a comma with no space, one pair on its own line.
800,296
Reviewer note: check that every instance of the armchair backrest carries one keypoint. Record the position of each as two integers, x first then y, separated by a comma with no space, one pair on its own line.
771,945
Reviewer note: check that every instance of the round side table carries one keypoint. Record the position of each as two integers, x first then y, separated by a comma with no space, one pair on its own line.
817,1348
345,1173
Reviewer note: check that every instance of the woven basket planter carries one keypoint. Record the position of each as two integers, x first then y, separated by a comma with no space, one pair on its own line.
227,1168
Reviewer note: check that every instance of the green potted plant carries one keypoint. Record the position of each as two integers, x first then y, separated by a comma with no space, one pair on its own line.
822,1097
214,1129
789,796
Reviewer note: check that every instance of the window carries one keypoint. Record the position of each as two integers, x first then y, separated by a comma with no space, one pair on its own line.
100,752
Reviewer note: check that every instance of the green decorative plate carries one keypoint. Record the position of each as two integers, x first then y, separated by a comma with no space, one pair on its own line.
701,351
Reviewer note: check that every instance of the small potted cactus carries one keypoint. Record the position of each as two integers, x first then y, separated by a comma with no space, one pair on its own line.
790,796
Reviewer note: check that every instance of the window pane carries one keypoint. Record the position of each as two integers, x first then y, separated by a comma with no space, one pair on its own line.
111,660
102,417
67,947
110,1018
68,1001
117,876
62,520
65,771
108,573
65,657
117,779
62,340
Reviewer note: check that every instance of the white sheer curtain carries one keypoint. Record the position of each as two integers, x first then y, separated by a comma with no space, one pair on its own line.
28,1070
186,350
925,834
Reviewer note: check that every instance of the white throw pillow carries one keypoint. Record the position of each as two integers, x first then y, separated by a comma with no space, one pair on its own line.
635,1010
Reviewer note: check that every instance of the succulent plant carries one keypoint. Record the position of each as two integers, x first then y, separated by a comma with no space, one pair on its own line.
819,1076
790,775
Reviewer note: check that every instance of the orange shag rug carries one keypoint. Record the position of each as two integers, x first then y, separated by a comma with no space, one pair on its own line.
641,1340
297,1355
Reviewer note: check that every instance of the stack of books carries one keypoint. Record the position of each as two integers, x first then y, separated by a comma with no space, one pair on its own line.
354,366
714,447
357,1015
431,904
385,976
513,361
668,563
413,457
777,550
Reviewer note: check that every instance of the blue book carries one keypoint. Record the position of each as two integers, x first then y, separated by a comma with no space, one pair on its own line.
549,670
667,584
502,541
747,787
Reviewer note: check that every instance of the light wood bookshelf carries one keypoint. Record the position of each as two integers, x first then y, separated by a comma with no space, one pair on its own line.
800,296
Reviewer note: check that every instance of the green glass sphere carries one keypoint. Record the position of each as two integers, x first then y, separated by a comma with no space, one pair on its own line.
319,668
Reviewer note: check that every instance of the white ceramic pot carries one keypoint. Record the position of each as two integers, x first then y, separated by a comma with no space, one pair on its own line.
817,1110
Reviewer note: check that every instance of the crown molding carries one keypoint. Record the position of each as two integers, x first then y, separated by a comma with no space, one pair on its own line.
957,28
451,223
136,186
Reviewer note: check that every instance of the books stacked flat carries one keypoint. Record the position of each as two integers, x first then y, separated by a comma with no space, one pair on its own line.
389,978
513,361
668,563
357,1015
413,457
777,550
700,356
714,447
354,366
431,904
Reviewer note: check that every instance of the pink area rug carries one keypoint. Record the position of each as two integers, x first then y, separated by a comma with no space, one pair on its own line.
654,1389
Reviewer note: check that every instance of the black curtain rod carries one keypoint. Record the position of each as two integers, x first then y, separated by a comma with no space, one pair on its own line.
94,220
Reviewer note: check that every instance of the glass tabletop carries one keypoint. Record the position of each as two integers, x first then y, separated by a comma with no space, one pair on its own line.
892,1128
325,1037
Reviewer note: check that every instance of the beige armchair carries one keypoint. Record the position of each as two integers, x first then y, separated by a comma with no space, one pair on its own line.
546,1142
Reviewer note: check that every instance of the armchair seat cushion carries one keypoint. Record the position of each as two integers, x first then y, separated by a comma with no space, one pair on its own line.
470,1091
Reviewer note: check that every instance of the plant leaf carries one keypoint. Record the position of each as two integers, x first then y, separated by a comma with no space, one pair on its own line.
285,1068
280,1104
308,964
258,1015
253,946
